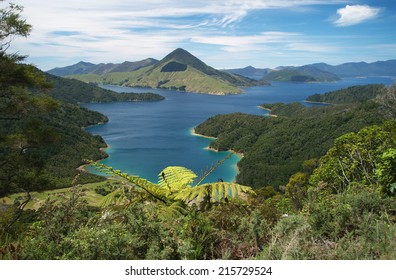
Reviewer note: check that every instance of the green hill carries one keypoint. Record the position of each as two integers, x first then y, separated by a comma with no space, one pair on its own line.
302,74
348,95
180,71
74,91
84,68
56,143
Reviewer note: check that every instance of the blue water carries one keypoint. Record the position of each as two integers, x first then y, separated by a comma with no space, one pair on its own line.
146,137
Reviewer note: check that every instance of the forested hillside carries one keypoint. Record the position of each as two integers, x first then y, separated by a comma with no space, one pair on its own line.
42,142
74,91
276,148
349,95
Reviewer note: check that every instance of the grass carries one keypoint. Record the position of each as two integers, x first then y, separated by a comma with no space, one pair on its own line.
38,198
192,79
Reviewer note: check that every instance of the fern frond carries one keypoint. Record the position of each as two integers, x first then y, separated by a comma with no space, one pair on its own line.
175,178
213,168
149,187
176,210
115,197
215,191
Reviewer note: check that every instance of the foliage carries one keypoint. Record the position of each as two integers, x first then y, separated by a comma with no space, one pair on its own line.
350,95
356,157
41,141
134,233
386,171
341,207
69,90
276,148
150,222
289,237
296,189
11,26
388,102
176,185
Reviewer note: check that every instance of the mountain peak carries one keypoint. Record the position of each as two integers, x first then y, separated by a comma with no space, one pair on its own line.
180,70
84,63
179,52
182,56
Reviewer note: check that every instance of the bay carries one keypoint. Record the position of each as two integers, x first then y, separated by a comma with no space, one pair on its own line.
146,137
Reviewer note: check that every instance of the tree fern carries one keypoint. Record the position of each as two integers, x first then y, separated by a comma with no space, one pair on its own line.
176,178
215,192
150,188
173,211
176,190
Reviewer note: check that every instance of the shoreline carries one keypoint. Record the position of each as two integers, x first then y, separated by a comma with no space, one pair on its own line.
81,168
269,111
194,133
213,149
241,155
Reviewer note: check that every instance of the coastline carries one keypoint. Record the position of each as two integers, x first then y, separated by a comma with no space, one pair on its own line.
213,149
241,155
269,111
81,168
194,133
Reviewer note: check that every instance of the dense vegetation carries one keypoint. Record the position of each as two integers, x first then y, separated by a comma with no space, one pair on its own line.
323,213
45,144
82,67
349,95
42,142
275,148
340,204
74,91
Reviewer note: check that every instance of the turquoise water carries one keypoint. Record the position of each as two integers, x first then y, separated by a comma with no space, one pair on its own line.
146,137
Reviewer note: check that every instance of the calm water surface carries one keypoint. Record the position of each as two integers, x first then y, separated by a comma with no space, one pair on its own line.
146,137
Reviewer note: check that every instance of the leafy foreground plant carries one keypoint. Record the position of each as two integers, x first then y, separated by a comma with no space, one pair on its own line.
177,187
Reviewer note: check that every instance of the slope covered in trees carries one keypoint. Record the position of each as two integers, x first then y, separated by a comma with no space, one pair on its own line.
83,68
349,95
275,148
74,91
42,142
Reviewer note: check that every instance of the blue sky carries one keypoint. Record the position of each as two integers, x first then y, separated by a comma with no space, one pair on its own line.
224,33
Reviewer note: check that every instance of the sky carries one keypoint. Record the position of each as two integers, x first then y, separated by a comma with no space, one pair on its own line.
223,33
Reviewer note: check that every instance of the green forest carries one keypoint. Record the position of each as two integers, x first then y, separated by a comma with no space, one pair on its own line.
314,182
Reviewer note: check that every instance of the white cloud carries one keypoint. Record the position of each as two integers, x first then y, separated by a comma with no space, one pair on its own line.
65,32
311,47
351,15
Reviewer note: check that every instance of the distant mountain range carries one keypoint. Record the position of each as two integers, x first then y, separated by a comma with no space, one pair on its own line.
355,69
250,72
83,68
182,71
179,70
301,74
319,72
